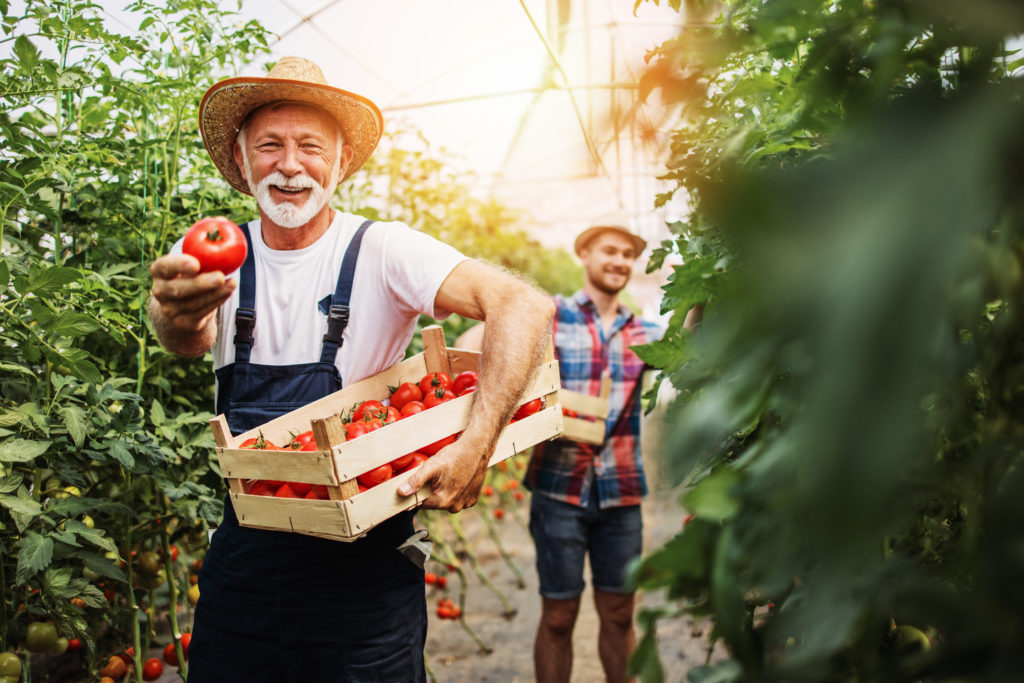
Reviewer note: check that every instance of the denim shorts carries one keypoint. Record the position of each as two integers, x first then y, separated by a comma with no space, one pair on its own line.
564,534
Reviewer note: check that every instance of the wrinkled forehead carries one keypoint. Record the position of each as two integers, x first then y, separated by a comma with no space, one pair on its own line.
300,110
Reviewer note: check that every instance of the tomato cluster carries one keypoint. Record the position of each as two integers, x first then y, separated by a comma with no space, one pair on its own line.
447,609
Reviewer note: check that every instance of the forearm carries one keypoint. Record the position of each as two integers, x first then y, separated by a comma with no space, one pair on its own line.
514,340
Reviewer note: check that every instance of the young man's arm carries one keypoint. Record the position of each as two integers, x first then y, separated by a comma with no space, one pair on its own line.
518,330
183,306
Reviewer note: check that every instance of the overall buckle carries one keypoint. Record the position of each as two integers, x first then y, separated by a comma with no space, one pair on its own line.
337,320
245,321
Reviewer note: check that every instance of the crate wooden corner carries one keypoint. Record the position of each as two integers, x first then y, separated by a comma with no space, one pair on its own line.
350,514
589,427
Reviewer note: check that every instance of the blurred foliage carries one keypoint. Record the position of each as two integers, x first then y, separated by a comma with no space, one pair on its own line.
849,422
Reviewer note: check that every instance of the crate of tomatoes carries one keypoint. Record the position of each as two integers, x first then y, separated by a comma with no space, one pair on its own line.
585,415
332,468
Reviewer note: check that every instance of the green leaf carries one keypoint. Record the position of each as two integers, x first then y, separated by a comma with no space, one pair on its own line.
102,566
22,505
156,413
10,482
73,324
47,280
20,369
74,420
728,671
22,450
34,555
27,53
117,451
712,498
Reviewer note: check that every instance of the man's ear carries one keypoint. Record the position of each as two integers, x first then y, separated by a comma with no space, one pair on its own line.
237,152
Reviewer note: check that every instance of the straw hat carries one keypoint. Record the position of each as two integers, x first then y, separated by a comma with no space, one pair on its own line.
226,104
616,222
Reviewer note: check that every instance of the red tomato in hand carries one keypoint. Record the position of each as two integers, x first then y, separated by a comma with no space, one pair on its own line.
434,380
413,407
466,381
405,392
217,243
368,410
528,408
378,475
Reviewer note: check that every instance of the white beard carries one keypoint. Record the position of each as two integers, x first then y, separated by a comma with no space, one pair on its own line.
286,214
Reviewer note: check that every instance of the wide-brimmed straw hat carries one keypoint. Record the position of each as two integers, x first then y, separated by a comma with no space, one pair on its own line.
294,79
616,222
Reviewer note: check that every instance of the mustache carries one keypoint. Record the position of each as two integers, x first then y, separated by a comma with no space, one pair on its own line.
279,179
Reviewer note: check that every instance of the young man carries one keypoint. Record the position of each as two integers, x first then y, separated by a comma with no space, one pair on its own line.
586,499
279,606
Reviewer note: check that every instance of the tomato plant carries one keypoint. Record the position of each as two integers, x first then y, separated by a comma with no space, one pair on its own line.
217,243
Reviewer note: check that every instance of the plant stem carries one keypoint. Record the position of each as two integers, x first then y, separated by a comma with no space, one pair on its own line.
172,589
478,570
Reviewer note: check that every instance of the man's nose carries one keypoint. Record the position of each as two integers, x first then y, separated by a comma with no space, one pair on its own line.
289,163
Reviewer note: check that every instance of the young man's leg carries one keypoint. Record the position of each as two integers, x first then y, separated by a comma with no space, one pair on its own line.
615,637
552,648
559,536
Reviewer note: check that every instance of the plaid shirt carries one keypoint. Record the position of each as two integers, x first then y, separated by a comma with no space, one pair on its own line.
562,469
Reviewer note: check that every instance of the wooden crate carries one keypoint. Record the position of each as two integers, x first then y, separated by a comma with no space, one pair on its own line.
589,427
349,514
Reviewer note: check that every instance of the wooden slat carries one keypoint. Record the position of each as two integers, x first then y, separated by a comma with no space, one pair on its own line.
584,431
312,467
593,406
291,514
530,431
382,502
435,354
460,360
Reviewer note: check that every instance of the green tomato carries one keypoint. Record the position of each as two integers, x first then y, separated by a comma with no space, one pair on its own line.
60,647
41,636
88,521
150,563
10,665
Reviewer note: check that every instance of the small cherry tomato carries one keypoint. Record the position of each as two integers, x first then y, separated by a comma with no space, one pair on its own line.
217,243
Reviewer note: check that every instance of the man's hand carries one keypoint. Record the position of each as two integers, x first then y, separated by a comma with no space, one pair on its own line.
184,303
455,473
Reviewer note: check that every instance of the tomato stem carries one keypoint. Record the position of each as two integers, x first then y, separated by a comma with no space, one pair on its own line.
214,235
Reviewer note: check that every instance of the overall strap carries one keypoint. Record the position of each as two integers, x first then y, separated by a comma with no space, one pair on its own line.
245,315
337,314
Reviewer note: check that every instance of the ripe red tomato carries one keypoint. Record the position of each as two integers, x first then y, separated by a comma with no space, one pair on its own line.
417,460
442,581
498,513
300,488
152,669
320,491
286,491
413,407
303,442
74,644
262,488
258,443
367,410
528,408
430,578
392,415
354,429
218,243
378,475
373,423
434,380
568,412
438,445
437,397
465,382
405,392
401,462
487,491
170,656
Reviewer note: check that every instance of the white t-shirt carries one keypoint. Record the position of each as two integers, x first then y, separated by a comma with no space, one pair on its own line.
397,277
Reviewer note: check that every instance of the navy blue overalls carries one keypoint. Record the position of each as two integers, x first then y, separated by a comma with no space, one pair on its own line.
279,606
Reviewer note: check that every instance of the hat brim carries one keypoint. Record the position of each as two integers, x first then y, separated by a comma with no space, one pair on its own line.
226,104
639,243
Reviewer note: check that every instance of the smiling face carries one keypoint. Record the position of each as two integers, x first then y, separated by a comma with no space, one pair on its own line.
608,260
292,156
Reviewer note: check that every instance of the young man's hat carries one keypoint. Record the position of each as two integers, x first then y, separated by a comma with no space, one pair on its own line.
616,222
293,79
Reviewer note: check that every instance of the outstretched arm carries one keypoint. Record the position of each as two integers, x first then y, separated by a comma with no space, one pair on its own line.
518,329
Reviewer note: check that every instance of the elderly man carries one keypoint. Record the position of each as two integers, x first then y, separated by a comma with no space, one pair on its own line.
288,607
